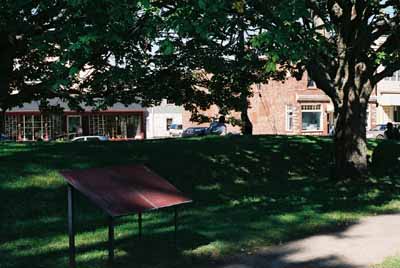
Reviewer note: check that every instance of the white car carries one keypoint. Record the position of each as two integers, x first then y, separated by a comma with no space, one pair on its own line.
90,138
176,130
378,132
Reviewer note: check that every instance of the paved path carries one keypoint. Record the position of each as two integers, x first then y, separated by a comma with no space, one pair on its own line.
361,245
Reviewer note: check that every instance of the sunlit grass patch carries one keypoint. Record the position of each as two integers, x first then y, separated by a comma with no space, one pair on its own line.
248,192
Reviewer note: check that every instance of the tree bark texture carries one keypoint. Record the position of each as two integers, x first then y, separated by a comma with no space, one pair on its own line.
247,126
350,136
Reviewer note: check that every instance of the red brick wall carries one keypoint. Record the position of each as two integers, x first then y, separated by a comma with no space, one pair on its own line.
268,108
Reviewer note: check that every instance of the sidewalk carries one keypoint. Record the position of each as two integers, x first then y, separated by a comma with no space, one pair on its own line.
363,244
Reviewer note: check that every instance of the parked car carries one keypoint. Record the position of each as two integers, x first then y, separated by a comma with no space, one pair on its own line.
89,138
378,132
4,137
217,128
194,132
175,130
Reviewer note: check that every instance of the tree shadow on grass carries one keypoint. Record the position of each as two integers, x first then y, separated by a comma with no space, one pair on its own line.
247,192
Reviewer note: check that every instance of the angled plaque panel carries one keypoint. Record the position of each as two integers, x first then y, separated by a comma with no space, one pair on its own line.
122,190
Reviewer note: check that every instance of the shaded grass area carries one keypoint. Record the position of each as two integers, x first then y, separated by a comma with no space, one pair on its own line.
248,192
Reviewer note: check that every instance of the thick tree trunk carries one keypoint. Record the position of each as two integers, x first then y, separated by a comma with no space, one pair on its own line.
350,139
2,121
247,126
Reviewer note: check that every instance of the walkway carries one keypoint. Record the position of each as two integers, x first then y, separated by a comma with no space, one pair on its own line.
361,245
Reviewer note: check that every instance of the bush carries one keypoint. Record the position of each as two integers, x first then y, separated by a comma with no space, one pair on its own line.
386,158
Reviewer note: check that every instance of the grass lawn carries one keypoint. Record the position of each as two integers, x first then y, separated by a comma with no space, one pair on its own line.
248,192
391,263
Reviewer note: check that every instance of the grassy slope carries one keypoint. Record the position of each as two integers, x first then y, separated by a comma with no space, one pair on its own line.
248,192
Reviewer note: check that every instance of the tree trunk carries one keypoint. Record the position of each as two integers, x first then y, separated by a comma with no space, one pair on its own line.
2,121
350,138
247,126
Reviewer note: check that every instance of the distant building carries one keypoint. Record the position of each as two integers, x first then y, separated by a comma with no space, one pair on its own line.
160,118
388,96
290,108
119,122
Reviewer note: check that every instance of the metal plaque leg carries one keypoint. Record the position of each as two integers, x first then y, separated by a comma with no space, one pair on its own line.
140,225
176,225
71,230
110,240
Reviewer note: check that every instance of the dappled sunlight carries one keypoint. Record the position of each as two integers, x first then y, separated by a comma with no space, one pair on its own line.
248,192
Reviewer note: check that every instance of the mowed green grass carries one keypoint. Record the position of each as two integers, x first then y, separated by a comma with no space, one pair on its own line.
248,192
392,262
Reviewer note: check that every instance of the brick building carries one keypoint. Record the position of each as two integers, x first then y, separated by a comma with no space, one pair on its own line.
290,108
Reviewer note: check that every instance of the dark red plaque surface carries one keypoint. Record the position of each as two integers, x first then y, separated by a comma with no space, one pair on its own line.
122,190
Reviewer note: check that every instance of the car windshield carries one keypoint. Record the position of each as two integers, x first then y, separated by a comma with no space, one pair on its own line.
175,126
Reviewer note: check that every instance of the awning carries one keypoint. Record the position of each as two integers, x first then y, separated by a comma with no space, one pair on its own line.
33,106
389,99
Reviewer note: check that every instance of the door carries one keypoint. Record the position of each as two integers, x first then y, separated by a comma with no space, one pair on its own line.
74,125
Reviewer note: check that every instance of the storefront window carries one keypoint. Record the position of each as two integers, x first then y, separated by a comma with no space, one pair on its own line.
97,125
118,126
311,117
33,127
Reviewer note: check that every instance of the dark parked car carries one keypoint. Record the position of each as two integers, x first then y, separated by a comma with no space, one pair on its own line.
217,128
4,137
194,132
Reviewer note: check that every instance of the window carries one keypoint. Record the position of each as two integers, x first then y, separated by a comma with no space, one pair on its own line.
169,123
97,125
394,77
396,114
289,118
33,127
311,116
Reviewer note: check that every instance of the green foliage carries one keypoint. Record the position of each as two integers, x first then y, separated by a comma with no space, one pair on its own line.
57,44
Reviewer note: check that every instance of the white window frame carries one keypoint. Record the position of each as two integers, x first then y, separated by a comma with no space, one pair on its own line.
320,110
368,118
289,109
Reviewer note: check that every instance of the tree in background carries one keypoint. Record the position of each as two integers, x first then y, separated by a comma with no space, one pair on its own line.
213,40
103,52
347,47
82,51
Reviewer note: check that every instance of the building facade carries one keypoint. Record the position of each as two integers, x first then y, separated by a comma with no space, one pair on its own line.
119,122
160,118
388,96
290,108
